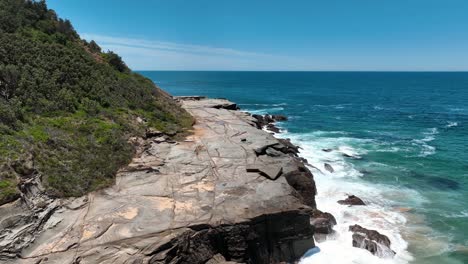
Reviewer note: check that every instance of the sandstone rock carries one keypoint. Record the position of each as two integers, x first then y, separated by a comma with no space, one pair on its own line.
323,222
372,241
329,168
176,203
352,200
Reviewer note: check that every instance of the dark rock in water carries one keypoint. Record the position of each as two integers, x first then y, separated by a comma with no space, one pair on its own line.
323,222
351,156
329,168
279,117
443,183
273,128
269,119
260,121
352,200
372,241
287,147
327,150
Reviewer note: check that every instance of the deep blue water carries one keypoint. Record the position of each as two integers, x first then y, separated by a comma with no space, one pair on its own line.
411,130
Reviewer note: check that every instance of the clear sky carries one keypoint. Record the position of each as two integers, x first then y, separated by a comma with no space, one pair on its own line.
421,35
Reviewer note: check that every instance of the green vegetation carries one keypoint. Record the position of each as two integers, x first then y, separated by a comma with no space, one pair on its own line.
68,105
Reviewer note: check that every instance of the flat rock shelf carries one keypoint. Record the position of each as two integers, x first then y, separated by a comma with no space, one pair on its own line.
212,198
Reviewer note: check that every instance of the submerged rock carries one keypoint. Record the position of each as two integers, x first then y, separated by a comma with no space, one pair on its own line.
372,241
352,200
329,168
279,117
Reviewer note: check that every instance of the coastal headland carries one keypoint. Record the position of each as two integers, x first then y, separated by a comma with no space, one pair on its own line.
228,192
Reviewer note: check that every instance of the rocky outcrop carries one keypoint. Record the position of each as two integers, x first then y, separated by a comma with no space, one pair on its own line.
352,200
268,121
213,197
372,241
323,222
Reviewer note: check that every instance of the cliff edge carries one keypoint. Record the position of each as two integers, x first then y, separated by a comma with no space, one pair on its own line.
230,192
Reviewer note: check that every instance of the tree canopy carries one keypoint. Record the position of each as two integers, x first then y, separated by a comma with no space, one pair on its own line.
67,105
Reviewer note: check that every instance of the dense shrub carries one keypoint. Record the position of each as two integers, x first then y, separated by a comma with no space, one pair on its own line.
69,105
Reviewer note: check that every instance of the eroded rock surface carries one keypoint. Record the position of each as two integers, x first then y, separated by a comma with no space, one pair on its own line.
194,201
372,241
352,200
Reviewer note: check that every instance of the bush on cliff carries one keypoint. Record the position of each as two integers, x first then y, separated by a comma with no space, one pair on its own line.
67,105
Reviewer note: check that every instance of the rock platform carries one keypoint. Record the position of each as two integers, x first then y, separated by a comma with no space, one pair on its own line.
212,198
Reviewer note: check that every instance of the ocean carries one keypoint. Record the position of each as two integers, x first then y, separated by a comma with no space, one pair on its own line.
409,130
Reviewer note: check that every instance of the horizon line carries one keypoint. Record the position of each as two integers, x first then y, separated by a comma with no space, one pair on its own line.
356,71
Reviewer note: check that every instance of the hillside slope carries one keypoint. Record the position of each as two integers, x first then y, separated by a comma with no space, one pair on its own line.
67,109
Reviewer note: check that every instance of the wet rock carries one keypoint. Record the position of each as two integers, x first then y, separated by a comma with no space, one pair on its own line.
351,156
279,117
323,222
352,200
273,128
327,150
372,241
329,168
287,147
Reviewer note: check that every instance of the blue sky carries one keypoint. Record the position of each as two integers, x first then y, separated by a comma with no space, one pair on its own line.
406,35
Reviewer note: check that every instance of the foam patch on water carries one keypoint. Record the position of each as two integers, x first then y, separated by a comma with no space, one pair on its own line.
265,111
380,214
452,124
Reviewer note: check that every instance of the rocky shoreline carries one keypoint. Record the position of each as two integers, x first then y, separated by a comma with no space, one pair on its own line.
229,193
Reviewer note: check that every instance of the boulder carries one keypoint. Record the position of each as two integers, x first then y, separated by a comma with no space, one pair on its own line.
372,241
270,171
323,222
279,117
273,128
287,147
329,168
352,200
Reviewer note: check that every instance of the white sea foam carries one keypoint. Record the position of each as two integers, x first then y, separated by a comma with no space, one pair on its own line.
379,214
452,124
425,148
265,110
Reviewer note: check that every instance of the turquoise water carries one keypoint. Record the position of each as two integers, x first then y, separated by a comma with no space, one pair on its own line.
410,130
